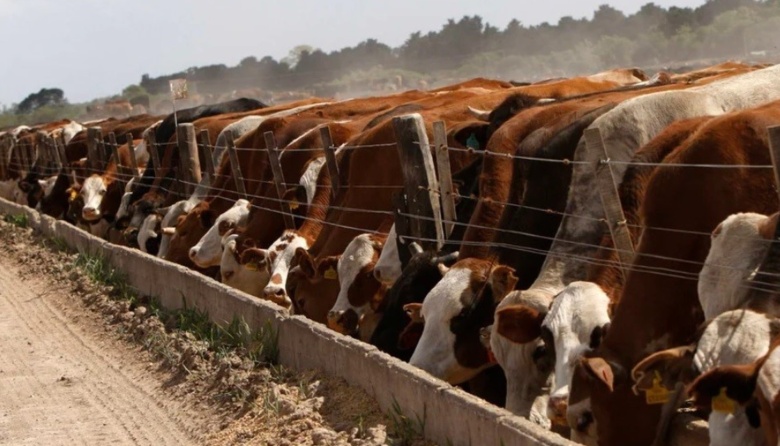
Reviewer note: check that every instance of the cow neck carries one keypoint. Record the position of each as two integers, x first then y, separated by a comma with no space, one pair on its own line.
608,274
668,305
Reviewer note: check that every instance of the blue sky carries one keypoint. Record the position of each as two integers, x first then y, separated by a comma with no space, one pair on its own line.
93,48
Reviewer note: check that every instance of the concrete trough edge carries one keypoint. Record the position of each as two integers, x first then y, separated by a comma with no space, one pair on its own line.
447,414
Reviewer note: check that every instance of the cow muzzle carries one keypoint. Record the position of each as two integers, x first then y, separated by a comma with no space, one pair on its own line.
277,295
557,406
90,213
344,321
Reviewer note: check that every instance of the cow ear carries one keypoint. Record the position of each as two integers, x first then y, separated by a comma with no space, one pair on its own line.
305,262
327,268
519,323
738,380
414,311
672,365
473,135
253,258
600,370
502,280
207,218
766,228
295,197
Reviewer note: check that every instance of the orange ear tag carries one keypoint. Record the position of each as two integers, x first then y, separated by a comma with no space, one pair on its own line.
294,205
658,394
330,274
722,403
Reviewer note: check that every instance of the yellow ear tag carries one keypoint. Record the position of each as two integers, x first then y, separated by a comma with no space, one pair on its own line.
722,403
658,394
252,266
73,195
294,205
330,274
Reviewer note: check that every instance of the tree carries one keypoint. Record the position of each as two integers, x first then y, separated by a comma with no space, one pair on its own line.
47,96
295,54
132,91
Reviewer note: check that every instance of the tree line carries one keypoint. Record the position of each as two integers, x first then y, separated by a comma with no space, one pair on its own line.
652,37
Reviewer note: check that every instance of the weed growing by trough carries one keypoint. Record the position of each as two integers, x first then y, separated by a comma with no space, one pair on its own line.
228,370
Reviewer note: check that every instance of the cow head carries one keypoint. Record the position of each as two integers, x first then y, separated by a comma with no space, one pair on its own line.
313,285
454,312
208,251
755,387
734,337
279,257
418,278
737,248
359,289
576,322
388,267
149,234
248,271
92,192
190,228
517,345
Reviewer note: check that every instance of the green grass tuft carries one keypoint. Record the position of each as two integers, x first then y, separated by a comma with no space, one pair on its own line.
19,220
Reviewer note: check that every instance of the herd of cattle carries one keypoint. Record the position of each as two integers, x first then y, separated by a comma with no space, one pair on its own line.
528,303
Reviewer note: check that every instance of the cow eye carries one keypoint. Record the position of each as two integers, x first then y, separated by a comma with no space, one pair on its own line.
584,421
102,191
539,352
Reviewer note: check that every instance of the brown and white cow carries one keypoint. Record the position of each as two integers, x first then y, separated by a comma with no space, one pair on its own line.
656,310
754,386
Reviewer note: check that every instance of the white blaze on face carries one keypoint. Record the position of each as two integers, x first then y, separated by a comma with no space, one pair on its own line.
737,249
208,251
92,193
309,178
285,248
358,254
525,381
388,267
148,230
734,337
575,313
169,221
435,352
125,202
238,276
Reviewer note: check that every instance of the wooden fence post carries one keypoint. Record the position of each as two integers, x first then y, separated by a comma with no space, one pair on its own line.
205,153
766,281
154,154
92,150
133,161
101,151
330,160
23,156
60,144
234,166
276,169
113,150
4,144
400,209
420,183
445,177
610,198
188,154
55,153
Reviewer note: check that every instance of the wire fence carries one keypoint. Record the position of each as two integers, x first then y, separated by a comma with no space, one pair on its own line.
261,202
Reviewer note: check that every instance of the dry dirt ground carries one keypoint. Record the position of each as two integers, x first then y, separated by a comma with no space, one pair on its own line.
79,365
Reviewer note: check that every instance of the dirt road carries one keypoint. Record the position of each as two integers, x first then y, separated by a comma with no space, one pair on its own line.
63,383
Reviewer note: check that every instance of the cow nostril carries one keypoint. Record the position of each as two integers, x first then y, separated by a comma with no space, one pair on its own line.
193,252
333,315
227,275
279,292
377,275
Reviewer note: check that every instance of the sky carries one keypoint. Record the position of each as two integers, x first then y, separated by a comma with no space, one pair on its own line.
95,48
